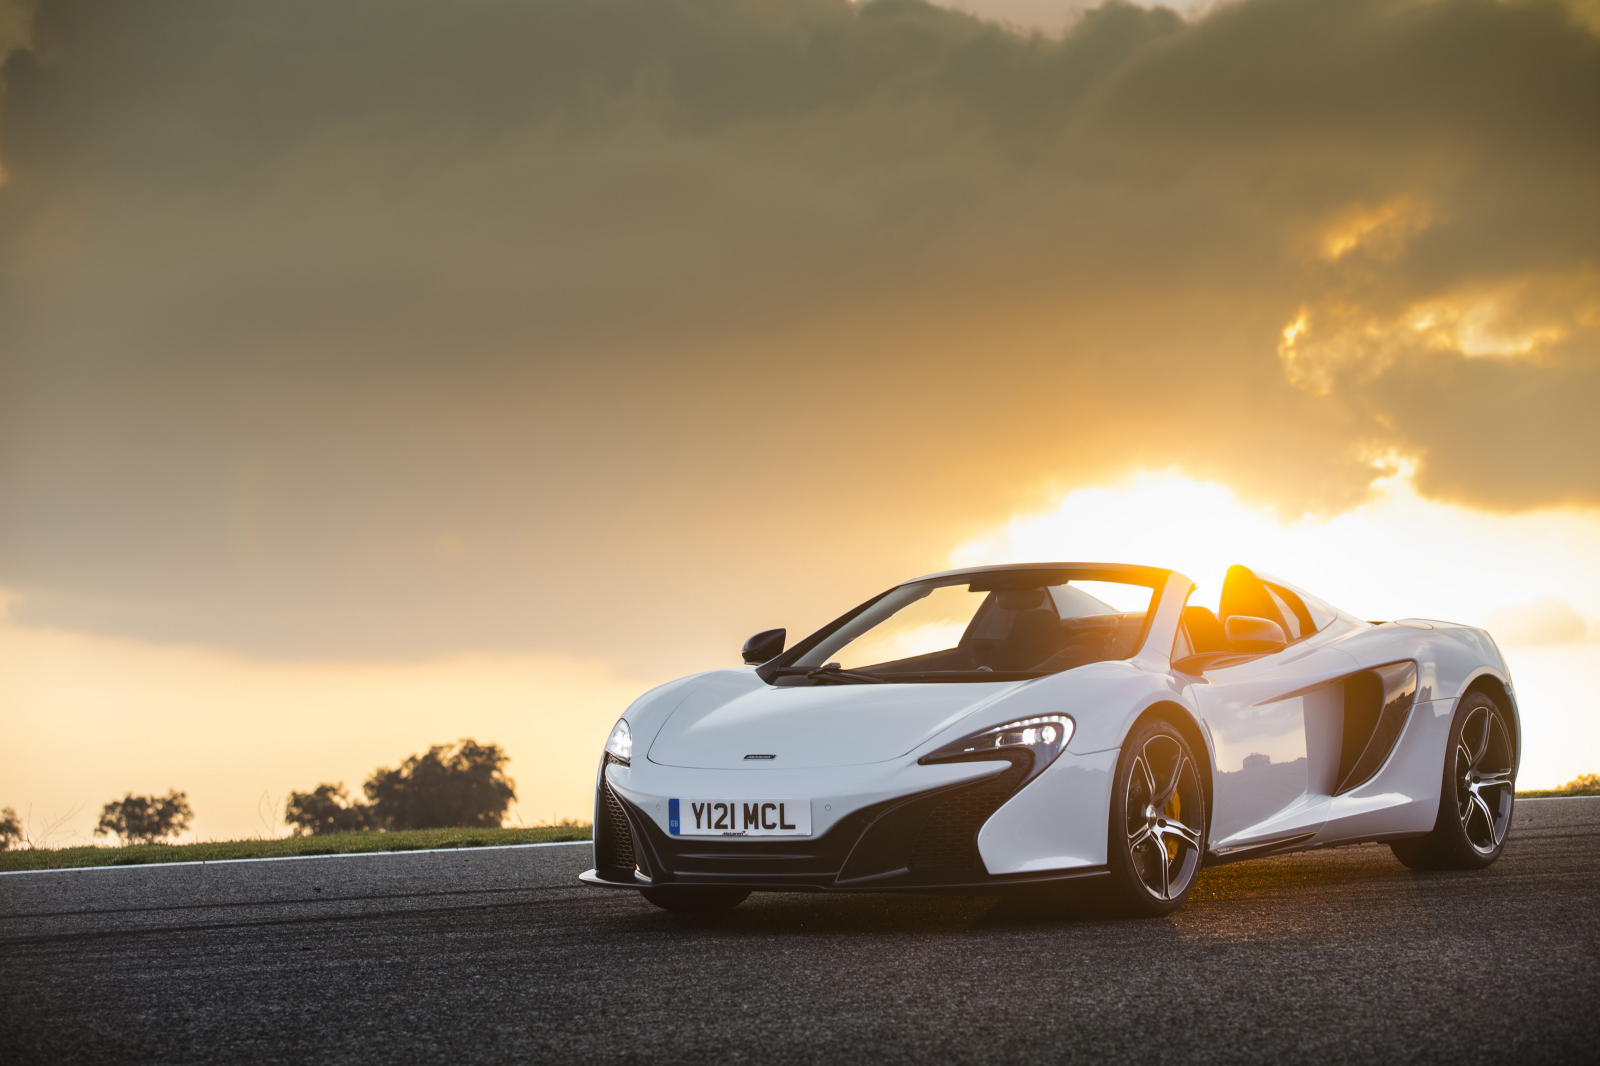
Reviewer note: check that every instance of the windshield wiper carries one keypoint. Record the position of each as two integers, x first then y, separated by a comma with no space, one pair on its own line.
970,675
823,673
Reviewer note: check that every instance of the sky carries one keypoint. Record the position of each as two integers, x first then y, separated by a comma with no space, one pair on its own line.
380,372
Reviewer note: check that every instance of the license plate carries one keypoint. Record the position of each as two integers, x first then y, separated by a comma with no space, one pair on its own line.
739,817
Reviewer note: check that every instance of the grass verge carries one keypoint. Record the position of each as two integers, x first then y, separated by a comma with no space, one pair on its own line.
1547,793
351,843
331,844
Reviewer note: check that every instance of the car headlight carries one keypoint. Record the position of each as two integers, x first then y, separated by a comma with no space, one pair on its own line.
1045,737
620,746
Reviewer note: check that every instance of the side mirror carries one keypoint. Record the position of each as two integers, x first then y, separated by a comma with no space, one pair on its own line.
1253,634
764,646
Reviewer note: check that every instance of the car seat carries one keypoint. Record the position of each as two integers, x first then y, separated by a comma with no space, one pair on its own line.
1035,636
1205,631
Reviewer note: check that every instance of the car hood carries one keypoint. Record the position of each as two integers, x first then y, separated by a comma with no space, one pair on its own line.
723,721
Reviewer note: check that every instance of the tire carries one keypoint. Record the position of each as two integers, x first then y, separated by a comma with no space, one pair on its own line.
1158,823
694,900
1476,795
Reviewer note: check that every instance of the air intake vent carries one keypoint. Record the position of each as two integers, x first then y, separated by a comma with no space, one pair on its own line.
1376,705
948,843
613,842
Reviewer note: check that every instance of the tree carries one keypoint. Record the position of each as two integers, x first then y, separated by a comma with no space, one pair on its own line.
10,829
326,809
146,819
450,786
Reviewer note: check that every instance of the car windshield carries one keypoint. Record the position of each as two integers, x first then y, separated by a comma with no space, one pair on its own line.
1000,625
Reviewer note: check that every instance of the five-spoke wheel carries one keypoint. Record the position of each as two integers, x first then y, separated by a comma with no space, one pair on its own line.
1484,767
1157,822
1478,791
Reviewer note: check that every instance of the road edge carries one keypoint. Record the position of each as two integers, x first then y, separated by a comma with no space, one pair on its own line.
295,858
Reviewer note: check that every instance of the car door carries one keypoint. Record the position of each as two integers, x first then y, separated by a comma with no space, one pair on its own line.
1272,720
1274,723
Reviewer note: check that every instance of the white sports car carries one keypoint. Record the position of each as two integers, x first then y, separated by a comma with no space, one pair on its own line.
1073,724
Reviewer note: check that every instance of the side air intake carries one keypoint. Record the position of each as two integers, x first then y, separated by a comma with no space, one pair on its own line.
1376,705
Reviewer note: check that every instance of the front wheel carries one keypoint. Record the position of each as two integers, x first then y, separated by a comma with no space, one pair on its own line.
1158,830
1476,794
688,899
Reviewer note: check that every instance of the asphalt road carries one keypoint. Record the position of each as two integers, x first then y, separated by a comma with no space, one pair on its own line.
499,956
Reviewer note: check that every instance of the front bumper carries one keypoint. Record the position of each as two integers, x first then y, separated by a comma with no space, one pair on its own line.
922,841
987,886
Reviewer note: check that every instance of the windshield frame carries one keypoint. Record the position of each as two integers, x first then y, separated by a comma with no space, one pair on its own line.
1153,578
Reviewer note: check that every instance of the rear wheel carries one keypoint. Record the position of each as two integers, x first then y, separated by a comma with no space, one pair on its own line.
1157,832
691,899
1476,795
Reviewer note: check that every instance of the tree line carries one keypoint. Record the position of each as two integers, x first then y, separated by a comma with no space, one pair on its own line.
450,786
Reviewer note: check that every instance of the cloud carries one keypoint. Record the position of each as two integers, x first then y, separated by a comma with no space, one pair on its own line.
16,26
398,329
1056,16
1544,622
16,35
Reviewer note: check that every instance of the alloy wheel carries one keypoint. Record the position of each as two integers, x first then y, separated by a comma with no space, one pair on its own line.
1164,812
1483,780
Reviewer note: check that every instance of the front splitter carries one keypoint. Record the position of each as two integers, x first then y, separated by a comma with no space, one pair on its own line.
987,886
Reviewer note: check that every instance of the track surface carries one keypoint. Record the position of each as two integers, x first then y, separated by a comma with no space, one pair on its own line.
498,956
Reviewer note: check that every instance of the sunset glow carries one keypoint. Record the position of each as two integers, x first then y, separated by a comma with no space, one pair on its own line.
90,718
1381,231
350,412
1532,579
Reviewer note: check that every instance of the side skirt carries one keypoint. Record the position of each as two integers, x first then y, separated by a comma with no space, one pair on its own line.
1297,843
1256,851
